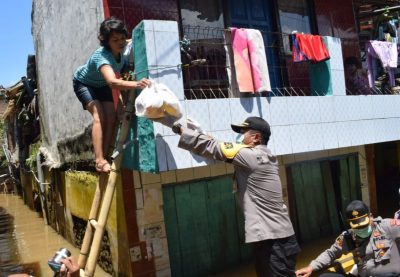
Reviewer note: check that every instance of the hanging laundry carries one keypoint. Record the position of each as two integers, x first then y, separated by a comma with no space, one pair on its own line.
387,53
250,60
308,47
242,60
258,58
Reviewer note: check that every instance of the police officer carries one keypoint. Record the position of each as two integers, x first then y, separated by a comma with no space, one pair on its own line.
372,242
258,190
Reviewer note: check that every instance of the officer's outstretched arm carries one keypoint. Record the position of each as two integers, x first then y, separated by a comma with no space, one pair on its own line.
201,144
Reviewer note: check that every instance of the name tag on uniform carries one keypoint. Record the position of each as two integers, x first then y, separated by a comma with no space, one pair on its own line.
262,160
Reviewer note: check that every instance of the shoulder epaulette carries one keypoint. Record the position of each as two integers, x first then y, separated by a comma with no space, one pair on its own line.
230,149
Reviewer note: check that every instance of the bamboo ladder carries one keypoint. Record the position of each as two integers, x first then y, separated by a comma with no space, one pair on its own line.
103,198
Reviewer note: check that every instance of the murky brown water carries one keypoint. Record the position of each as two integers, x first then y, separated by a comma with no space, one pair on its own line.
26,243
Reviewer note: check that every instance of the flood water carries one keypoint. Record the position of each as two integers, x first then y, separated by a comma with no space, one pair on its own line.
26,243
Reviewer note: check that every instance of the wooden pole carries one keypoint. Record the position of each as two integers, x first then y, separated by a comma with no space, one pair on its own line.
94,211
100,226
108,195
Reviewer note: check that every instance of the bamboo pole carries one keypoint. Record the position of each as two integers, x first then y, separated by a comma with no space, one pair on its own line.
108,194
94,211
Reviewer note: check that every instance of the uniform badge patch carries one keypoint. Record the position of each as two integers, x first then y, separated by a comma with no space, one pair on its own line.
380,245
395,222
228,145
230,149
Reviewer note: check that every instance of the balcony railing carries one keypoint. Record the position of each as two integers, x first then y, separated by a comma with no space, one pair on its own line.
205,66
206,74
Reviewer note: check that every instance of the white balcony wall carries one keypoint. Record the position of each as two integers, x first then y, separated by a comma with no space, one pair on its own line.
299,124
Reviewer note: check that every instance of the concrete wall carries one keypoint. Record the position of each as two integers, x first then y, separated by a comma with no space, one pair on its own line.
65,34
298,124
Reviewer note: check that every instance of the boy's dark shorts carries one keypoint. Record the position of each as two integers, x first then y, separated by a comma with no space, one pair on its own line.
87,94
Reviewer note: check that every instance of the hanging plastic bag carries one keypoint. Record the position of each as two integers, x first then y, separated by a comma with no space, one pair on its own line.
128,53
157,101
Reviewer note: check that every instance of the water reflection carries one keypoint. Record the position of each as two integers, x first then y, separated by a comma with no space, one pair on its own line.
9,261
26,243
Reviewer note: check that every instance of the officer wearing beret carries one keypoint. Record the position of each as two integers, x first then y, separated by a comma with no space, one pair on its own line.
258,190
371,240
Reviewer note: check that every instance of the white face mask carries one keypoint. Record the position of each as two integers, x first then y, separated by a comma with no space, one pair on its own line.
364,232
239,138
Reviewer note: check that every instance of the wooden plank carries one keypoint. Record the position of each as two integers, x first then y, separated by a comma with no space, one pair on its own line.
215,222
193,228
345,193
200,228
354,177
231,229
186,228
320,202
301,203
310,195
292,200
330,197
223,236
171,225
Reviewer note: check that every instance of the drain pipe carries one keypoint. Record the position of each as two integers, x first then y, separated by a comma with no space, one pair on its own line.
42,191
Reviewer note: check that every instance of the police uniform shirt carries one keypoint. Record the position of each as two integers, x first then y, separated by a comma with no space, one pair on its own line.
259,189
378,256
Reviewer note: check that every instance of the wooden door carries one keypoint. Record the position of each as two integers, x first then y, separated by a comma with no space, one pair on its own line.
349,181
204,227
311,202
322,190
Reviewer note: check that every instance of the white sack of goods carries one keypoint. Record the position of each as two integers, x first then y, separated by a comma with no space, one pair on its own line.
157,101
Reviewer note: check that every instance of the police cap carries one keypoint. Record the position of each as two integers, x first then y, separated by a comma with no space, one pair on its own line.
254,123
357,214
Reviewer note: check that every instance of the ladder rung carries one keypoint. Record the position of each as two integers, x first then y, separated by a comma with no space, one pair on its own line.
93,222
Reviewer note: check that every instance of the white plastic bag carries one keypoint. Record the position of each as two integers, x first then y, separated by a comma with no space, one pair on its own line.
156,101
